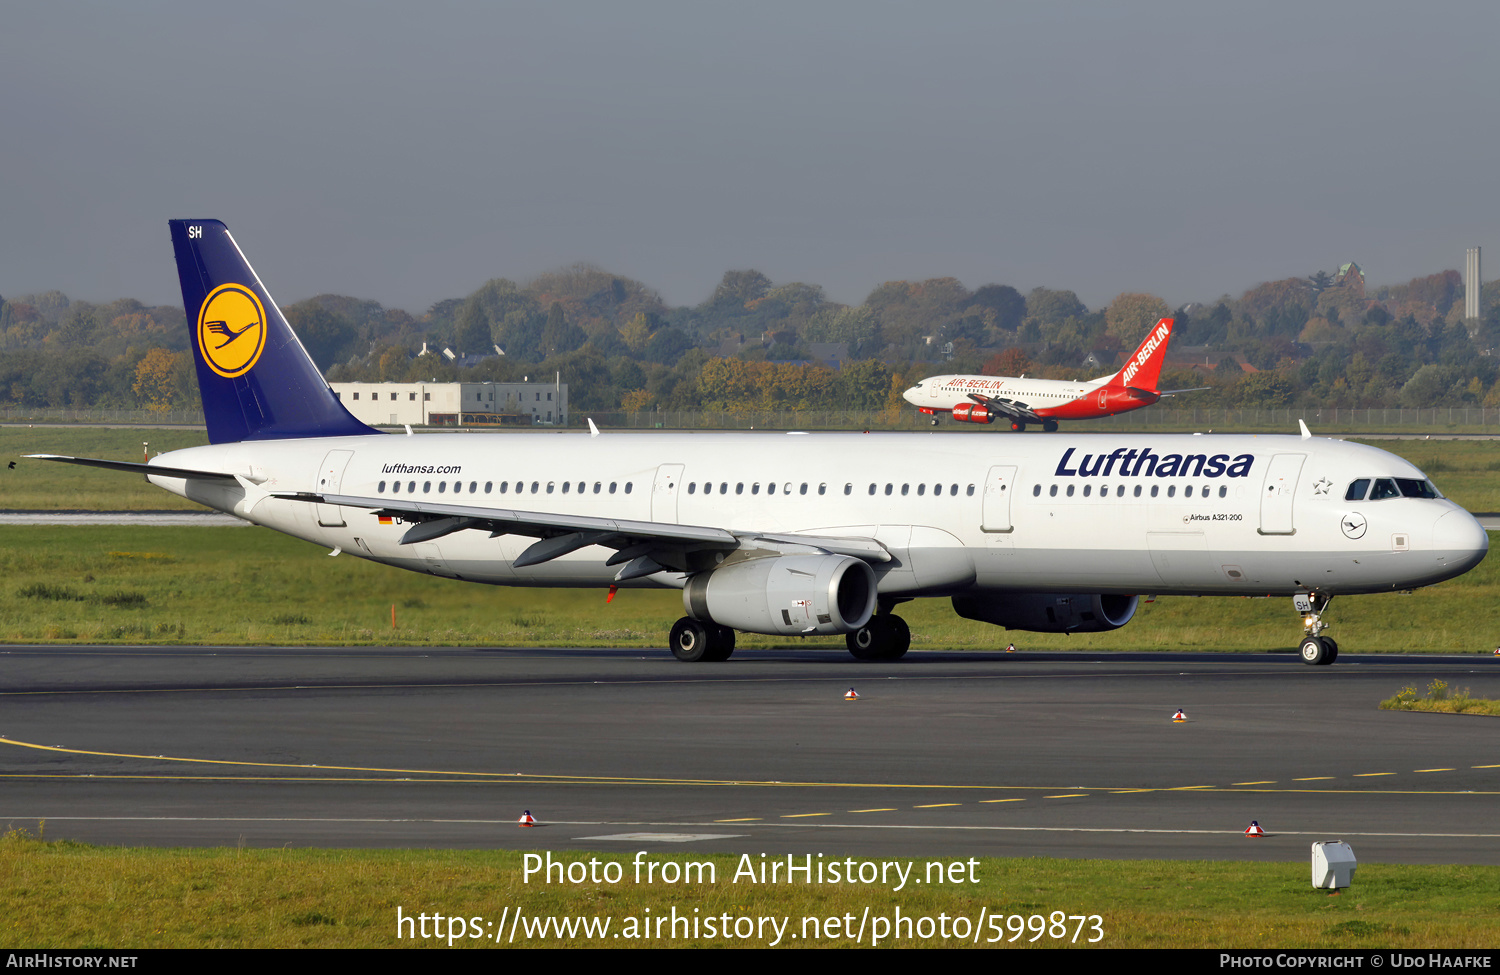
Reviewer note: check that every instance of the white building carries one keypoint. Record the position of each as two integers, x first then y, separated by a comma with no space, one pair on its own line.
456,404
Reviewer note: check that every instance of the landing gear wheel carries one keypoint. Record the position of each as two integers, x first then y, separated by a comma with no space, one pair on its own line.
1333,648
934,421
900,638
720,642
883,638
689,640
1018,426
1317,651
864,642
1050,426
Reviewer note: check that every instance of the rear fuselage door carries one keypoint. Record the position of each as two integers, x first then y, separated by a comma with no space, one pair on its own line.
999,485
1277,494
330,479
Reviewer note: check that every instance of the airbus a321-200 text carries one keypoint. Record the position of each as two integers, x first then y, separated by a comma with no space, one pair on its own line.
797,534
1019,401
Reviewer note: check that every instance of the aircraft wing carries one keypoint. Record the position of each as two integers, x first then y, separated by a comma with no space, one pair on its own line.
646,546
1005,407
136,467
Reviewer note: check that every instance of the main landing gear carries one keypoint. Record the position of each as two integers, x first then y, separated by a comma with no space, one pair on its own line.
1050,426
1315,650
694,640
1018,425
885,637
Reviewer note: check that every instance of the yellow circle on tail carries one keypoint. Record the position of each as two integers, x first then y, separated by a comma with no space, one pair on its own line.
231,330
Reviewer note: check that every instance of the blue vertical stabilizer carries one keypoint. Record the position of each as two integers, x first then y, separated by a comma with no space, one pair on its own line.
256,379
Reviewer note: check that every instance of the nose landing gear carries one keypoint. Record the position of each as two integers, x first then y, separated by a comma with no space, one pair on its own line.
1315,649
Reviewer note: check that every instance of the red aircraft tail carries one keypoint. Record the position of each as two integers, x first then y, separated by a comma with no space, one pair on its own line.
1143,368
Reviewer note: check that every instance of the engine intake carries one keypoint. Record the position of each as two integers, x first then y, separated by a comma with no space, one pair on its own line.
1049,612
785,595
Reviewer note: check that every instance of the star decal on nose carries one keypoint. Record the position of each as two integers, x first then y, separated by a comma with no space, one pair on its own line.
1321,486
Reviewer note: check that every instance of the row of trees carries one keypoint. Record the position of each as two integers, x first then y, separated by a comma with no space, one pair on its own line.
1319,339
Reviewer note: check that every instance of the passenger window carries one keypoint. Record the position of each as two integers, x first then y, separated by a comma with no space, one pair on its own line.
739,488
426,487
872,489
488,486
381,489
395,487
755,488
1087,490
1052,491
771,488
596,487
612,487
1223,491
904,489
1384,488
1070,490
723,487
1172,491
692,487
1137,490
628,486
1154,489
1120,491
953,490
1187,492
566,485
921,490
411,486
550,485
970,491
1036,490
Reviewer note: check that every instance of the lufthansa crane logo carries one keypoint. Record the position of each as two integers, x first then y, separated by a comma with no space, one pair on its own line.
231,330
1354,524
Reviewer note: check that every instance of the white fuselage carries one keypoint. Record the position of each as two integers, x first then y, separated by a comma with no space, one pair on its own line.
1240,515
943,393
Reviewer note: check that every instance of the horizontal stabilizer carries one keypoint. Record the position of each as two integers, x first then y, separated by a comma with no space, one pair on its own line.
134,467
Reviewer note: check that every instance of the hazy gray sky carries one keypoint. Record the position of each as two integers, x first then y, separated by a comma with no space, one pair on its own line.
408,152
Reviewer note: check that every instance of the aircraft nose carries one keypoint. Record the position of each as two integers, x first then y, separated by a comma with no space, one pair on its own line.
1459,540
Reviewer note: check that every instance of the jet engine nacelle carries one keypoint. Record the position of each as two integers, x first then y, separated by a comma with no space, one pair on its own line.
786,595
972,413
1049,612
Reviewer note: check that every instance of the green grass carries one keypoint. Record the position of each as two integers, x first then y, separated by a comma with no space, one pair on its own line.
130,584
68,894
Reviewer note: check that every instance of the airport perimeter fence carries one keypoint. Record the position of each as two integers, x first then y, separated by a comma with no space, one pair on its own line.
25,414
1324,420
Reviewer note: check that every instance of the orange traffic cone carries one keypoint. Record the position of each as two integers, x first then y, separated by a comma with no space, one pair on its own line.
1253,830
526,819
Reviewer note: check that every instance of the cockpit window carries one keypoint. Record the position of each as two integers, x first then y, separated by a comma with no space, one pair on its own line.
1385,487
1412,487
1357,490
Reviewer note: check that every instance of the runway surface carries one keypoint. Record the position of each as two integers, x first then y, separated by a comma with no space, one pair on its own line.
943,755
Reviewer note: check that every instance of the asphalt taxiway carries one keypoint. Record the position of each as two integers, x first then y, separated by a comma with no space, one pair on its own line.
943,755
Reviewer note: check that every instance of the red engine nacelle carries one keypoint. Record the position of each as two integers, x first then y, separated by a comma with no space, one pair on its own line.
972,413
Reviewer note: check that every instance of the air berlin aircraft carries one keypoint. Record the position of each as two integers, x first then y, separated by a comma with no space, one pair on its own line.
983,399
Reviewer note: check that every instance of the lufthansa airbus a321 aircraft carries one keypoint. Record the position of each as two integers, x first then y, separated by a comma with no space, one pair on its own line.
1019,401
797,534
